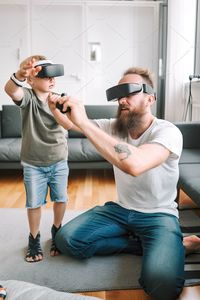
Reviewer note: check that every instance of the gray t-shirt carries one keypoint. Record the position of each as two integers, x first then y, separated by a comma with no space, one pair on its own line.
44,141
155,190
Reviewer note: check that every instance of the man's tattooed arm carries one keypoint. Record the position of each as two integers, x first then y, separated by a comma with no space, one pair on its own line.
121,148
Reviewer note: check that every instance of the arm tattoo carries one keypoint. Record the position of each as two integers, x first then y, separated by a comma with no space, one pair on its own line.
119,148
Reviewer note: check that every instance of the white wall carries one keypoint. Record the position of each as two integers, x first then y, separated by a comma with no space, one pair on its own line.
128,36
180,55
63,30
126,30
13,42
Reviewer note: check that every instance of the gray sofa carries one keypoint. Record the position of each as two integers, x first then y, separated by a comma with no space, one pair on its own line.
189,166
82,154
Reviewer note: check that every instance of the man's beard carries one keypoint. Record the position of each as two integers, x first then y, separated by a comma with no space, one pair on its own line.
126,121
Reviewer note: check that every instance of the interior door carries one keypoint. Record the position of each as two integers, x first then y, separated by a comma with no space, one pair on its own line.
57,34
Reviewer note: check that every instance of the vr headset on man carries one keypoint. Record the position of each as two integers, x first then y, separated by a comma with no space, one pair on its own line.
124,90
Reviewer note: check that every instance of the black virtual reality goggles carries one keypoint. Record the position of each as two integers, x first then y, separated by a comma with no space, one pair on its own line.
125,89
49,69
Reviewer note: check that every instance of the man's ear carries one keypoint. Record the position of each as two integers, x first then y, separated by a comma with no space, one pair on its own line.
152,99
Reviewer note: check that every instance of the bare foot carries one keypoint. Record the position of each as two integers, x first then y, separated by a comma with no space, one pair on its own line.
191,244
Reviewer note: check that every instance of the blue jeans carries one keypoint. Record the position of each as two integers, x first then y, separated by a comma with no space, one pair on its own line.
112,229
37,180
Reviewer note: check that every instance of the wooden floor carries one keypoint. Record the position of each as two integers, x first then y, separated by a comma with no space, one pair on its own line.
86,189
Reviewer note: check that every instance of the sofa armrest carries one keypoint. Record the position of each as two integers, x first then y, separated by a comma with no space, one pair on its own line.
11,121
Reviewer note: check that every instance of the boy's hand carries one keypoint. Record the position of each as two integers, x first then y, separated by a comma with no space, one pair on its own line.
57,102
53,100
27,69
77,113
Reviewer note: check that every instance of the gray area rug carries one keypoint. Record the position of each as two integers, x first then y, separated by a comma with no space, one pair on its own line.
66,273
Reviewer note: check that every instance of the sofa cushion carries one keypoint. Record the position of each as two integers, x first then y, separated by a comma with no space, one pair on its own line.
11,121
190,156
81,149
96,112
101,111
20,290
10,149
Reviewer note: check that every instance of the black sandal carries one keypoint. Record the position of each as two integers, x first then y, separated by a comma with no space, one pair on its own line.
54,250
34,249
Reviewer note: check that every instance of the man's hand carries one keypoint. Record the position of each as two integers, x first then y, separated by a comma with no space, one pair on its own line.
61,117
77,113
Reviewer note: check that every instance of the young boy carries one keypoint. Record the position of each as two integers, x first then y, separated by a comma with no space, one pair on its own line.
44,147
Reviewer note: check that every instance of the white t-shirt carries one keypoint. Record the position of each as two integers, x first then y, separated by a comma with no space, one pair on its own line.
155,190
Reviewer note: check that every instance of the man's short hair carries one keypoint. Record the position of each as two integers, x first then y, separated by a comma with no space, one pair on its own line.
146,74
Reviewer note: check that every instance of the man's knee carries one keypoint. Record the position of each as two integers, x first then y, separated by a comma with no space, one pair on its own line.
69,244
161,285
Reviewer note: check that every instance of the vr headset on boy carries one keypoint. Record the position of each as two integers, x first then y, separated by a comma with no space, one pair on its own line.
125,89
49,69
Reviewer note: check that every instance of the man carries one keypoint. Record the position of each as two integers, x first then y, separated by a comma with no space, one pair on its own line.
144,152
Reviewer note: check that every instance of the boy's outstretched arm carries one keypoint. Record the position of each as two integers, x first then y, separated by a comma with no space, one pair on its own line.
14,85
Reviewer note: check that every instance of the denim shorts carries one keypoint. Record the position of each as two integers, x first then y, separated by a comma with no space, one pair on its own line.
38,180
